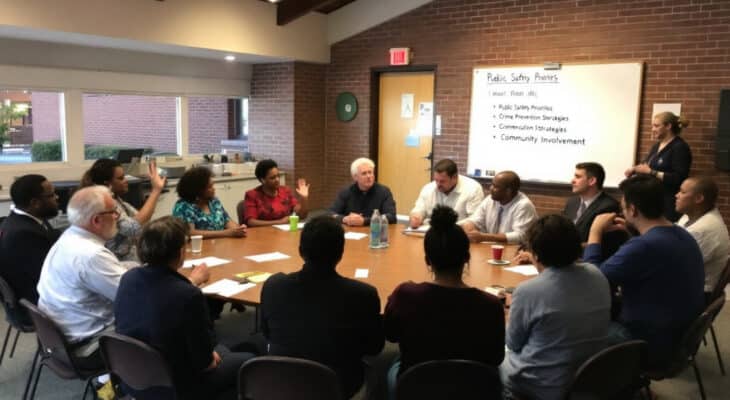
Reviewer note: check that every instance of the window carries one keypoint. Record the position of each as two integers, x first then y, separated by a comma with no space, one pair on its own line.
31,126
113,121
217,123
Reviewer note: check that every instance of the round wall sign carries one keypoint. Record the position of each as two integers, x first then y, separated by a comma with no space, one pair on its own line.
346,106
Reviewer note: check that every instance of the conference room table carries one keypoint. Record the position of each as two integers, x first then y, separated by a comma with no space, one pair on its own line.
386,268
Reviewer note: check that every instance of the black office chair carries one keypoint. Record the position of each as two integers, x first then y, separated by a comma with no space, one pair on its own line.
53,352
287,378
138,365
449,379
717,291
613,373
684,355
16,317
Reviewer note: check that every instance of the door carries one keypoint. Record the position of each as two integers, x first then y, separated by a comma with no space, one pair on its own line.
405,134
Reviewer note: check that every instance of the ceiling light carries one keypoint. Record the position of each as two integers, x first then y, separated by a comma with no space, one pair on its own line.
274,1
230,58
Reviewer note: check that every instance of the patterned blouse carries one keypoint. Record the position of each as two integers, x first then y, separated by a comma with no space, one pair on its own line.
123,244
215,220
259,205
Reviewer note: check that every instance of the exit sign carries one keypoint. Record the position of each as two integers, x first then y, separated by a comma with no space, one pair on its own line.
400,56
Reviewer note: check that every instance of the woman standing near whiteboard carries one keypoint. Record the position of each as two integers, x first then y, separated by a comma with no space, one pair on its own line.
669,159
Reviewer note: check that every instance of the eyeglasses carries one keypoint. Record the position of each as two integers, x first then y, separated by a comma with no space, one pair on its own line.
115,213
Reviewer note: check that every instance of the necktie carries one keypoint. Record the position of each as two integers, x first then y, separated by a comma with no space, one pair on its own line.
581,209
498,220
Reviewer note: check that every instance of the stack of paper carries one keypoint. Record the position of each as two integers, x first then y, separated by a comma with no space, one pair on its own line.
254,276
420,231
355,235
209,261
268,257
227,288
527,270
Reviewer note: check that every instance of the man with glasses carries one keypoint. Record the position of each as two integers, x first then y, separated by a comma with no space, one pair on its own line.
26,236
80,276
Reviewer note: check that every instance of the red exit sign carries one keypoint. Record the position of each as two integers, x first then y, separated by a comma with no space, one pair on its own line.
400,56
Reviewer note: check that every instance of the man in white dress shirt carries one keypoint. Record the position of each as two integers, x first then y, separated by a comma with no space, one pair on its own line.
696,200
504,215
448,188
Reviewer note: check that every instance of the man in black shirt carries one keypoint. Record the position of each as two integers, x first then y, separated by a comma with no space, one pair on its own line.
319,315
355,204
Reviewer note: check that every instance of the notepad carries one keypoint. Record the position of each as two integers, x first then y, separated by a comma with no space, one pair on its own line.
527,270
268,257
209,261
355,235
286,227
254,276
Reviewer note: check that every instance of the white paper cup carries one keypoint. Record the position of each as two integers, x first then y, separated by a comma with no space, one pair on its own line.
196,242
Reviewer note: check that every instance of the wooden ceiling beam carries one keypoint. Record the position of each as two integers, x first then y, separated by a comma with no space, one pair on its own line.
289,10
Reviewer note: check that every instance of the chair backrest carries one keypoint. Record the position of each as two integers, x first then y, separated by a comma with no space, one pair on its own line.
287,378
135,363
449,379
693,337
722,281
53,345
611,373
241,210
13,311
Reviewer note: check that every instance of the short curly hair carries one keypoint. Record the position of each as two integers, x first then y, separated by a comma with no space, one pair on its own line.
193,182
263,167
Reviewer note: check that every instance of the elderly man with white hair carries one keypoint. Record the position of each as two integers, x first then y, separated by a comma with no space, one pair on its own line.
80,277
355,204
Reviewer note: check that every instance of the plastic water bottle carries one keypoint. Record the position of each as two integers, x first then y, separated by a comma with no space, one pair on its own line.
383,230
375,230
293,222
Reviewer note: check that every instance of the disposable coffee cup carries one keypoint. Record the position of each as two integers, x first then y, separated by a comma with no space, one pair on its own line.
196,242
497,251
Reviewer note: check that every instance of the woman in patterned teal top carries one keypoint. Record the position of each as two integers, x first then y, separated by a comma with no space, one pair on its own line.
199,207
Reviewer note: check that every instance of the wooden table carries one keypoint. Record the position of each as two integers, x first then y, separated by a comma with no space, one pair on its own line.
388,267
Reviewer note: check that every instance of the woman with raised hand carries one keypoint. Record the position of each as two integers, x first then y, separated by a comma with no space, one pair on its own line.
109,173
669,159
270,203
445,318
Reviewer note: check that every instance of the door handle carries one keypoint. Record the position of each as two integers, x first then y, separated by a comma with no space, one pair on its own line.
429,156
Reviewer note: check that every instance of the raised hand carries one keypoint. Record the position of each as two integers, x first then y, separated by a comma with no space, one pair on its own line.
303,187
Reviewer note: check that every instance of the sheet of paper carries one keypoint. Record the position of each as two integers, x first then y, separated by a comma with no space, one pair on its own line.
209,261
259,278
527,270
268,257
285,227
223,285
355,235
361,273
232,291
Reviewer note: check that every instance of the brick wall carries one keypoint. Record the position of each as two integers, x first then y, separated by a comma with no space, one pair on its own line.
134,121
309,111
208,124
271,114
46,116
685,45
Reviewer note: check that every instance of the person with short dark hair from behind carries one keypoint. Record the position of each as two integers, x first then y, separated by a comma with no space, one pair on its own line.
696,200
109,173
559,318
26,236
159,306
590,199
669,159
444,319
660,272
270,203
319,315
504,215
448,188
200,209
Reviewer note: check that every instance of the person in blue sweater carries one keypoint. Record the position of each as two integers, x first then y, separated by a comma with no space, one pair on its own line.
660,272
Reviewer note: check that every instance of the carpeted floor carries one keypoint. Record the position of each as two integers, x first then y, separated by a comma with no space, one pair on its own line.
234,327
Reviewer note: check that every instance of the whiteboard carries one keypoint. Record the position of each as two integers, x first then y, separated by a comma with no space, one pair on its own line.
540,123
